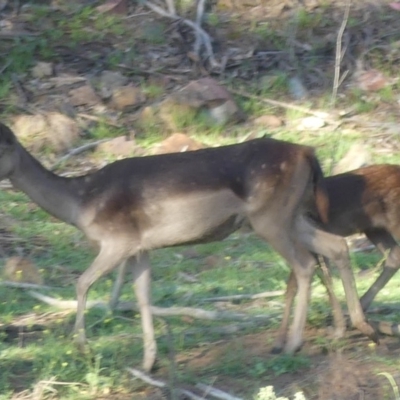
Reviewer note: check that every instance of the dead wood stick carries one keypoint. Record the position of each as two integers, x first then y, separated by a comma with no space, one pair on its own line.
339,55
25,285
262,295
198,30
98,119
226,329
78,150
157,311
160,384
319,114
199,19
217,393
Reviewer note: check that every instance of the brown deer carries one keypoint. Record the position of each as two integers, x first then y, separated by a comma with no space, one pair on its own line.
138,204
366,201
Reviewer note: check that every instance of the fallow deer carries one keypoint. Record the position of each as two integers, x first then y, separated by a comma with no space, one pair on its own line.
138,204
366,201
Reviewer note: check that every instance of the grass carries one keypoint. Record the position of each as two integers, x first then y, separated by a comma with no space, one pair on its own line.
46,362
240,264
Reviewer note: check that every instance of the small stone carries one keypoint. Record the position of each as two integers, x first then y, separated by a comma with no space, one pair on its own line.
127,96
110,80
42,70
52,130
118,146
269,121
297,88
177,143
113,7
311,123
83,96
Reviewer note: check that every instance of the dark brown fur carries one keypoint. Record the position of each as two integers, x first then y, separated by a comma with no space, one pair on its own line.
367,200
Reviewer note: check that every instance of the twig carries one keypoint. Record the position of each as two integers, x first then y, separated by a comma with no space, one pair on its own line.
246,296
339,55
157,311
160,384
77,151
5,66
199,18
25,285
217,393
20,90
201,32
227,329
98,119
319,114
171,7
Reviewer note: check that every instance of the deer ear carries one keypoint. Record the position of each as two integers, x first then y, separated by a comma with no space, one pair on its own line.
7,137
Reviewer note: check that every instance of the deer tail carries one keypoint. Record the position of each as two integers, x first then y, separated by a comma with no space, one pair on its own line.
320,191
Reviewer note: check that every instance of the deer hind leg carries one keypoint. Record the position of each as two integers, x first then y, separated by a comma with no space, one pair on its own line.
290,294
335,248
142,280
339,321
109,257
117,288
302,263
384,241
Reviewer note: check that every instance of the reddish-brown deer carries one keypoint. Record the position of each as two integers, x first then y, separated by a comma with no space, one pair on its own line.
366,201
138,204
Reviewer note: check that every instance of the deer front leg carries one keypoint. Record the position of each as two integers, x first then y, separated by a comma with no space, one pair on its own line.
291,290
107,259
142,280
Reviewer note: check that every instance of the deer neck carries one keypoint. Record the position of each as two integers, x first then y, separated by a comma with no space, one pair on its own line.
55,194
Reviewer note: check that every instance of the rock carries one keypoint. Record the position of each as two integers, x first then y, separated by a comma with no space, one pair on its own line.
269,121
53,130
371,81
127,96
83,96
118,146
42,70
208,94
110,80
19,269
177,143
356,157
296,88
310,123
113,7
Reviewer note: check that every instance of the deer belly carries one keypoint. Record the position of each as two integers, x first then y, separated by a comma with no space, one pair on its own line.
194,218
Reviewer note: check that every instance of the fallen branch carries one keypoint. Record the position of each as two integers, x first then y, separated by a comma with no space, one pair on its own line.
200,32
262,295
339,55
217,393
160,384
24,285
319,114
77,151
227,329
157,311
